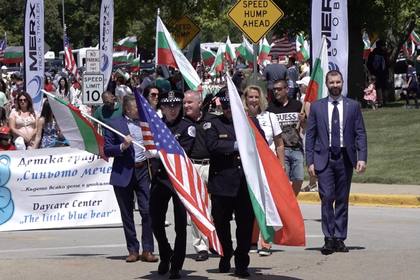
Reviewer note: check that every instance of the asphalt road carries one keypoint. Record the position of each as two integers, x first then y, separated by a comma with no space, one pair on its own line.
384,244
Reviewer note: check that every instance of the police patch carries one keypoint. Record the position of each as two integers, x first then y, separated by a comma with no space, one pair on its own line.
207,125
191,131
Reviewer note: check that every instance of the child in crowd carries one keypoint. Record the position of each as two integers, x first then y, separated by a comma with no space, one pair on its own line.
6,139
370,93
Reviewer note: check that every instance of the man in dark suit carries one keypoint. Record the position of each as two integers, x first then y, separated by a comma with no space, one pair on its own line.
335,144
130,176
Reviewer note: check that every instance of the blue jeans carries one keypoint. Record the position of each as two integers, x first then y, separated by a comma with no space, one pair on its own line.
293,161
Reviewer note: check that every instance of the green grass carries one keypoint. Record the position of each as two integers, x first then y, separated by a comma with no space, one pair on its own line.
393,146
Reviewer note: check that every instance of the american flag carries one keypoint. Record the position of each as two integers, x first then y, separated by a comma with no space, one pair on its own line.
69,62
3,45
184,177
283,47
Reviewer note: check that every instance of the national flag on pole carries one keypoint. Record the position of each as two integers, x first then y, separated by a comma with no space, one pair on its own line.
218,65
366,45
275,206
283,47
128,44
302,48
185,179
208,57
75,127
168,53
264,51
122,57
414,37
317,88
246,51
69,62
230,52
13,55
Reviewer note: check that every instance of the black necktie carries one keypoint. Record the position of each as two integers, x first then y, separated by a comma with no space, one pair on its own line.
335,130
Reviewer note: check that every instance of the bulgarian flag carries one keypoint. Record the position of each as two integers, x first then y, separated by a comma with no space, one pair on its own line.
128,44
415,38
122,57
230,52
218,62
317,88
366,45
246,51
208,57
13,55
135,65
168,53
275,206
75,127
302,48
264,51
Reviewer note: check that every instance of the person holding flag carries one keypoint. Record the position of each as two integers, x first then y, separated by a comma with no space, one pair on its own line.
162,189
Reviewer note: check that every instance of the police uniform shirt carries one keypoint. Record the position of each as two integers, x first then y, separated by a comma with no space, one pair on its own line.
199,149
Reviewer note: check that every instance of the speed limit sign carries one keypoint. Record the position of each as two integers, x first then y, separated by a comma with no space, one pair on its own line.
93,86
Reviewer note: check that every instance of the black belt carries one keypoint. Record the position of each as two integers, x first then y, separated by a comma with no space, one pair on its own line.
203,161
339,156
140,164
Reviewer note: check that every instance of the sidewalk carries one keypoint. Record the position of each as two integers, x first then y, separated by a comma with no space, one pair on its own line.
375,195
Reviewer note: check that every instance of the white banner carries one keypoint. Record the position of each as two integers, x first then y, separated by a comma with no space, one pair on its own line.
34,51
106,38
55,188
329,18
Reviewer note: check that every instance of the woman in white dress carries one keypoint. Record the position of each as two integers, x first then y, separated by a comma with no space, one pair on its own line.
255,104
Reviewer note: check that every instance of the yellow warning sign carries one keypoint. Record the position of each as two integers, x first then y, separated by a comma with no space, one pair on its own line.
255,17
183,31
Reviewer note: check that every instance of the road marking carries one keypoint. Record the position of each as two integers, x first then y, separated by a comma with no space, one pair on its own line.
63,248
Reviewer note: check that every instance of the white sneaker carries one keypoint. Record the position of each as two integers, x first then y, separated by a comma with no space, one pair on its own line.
254,249
264,252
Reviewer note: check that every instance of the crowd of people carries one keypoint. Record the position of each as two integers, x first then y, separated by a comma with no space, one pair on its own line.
202,124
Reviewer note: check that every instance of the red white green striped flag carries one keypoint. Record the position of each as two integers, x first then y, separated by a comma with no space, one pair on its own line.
263,51
13,55
230,52
122,57
414,37
128,44
302,48
168,53
246,51
208,57
218,65
317,88
275,206
75,127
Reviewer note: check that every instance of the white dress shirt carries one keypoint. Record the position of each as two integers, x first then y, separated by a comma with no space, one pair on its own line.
340,113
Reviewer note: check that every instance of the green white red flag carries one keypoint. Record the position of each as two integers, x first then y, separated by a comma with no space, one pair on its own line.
302,48
218,65
75,127
415,38
275,206
264,51
208,57
128,44
246,51
317,88
230,52
168,53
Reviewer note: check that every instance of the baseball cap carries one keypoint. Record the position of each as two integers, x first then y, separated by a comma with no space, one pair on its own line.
4,67
304,81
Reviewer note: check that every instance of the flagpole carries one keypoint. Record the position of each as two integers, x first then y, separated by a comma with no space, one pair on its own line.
64,28
101,123
156,40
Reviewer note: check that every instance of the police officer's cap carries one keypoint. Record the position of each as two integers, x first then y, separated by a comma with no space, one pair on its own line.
171,98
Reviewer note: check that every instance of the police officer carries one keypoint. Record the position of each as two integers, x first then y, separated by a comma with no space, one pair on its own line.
228,188
162,190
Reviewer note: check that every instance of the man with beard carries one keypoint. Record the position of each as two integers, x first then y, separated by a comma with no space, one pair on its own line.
110,109
335,144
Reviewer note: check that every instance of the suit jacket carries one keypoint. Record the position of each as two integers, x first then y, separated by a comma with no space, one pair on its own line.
123,165
317,135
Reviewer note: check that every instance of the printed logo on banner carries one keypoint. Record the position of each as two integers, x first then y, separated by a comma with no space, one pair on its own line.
6,202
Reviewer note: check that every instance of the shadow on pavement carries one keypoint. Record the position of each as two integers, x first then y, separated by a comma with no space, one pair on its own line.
255,274
80,255
184,273
116,258
351,248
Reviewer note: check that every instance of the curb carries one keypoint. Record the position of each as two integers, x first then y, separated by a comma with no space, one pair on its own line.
387,200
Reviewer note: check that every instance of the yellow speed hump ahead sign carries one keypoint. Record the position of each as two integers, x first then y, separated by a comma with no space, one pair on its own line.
255,17
183,30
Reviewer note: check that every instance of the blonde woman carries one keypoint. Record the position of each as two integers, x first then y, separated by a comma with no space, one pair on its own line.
255,104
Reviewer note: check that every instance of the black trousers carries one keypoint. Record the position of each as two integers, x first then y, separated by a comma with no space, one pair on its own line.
222,209
159,200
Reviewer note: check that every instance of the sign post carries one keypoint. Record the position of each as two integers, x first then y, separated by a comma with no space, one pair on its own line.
93,86
184,30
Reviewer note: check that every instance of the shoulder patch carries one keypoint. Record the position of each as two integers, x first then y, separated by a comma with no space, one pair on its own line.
191,131
206,125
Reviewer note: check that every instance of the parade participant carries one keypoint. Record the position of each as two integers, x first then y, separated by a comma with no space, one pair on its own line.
63,89
255,104
130,176
22,121
288,114
228,188
200,157
162,190
110,108
335,143
6,139
151,93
